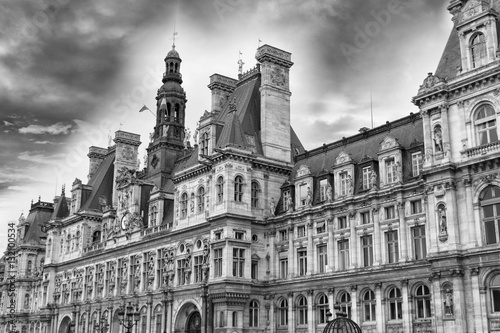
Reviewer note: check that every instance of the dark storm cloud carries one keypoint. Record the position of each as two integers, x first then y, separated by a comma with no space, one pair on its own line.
330,131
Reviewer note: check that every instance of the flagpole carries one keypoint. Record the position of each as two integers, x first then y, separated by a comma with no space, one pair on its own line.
371,107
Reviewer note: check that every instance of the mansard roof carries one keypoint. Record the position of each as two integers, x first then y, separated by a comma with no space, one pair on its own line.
102,184
405,130
451,59
61,209
39,215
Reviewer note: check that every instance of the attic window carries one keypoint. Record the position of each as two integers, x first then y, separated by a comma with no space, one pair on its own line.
478,50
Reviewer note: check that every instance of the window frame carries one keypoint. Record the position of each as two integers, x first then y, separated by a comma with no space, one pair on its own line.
255,194
478,58
253,314
238,262
369,306
494,219
423,306
486,120
392,241
220,189
301,305
343,255
394,304
366,177
238,188
322,253
417,163
390,170
184,205
302,261
419,242
322,308
367,250
200,194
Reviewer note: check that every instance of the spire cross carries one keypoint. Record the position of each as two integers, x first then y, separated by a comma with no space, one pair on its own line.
173,38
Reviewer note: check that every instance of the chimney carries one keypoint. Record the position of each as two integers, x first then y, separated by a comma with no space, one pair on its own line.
96,156
221,87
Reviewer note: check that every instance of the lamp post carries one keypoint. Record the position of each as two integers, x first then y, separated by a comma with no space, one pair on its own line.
132,317
102,327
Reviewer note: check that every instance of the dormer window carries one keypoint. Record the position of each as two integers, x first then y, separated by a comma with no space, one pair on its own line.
343,183
322,189
204,144
184,200
485,124
286,196
478,50
390,169
367,172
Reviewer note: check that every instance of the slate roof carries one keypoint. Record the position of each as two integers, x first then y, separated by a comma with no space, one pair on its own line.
102,184
39,215
451,58
406,131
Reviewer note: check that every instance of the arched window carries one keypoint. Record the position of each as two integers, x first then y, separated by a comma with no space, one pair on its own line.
68,243
238,189
234,319
255,194
96,237
169,111
486,124
221,319
83,323
29,267
495,294
282,312
204,144
253,314
423,302
478,50
490,211
344,301
26,301
144,320
369,305
201,199
171,67
220,189
302,310
176,112
322,309
157,319
184,203
395,303
176,67
49,247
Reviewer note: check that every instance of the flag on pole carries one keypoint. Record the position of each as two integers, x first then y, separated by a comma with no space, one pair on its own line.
144,108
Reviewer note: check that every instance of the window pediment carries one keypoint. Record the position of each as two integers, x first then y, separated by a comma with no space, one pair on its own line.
303,171
343,158
389,143
473,8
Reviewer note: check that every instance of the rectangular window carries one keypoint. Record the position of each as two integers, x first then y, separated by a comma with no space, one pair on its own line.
322,258
389,212
238,235
303,194
286,196
302,261
255,270
367,250
301,231
322,189
392,247
218,235
217,262
343,222
283,268
283,234
416,164
320,227
181,276
419,246
238,262
416,206
390,170
343,183
343,255
367,178
365,217
198,269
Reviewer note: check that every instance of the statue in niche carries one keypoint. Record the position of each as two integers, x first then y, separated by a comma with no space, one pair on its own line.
165,129
442,220
399,172
448,303
309,197
373,178
151,136
438,139
272,207
290,203
350,185
329,193
206,254
381,214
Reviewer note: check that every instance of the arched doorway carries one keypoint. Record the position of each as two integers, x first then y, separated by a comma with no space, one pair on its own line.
193,324
65,325
115,323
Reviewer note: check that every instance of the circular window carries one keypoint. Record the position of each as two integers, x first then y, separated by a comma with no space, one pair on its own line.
198,244
255,238
181,248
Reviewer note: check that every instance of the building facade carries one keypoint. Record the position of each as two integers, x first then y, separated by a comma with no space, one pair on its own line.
246,231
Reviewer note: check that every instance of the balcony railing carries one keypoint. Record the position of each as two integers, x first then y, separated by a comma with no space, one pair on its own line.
482,150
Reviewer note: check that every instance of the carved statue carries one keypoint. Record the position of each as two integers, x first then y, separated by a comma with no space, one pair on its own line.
442,220
290,203
448,303
240,66
407,208
151,136
438,139
195,135
272,207
329,193
350,185
309,197
187,135
399,172
165,129
206,254
381,216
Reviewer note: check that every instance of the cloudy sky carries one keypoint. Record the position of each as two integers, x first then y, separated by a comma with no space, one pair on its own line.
73,72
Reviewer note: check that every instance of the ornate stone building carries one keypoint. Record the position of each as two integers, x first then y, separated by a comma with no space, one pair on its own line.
246,231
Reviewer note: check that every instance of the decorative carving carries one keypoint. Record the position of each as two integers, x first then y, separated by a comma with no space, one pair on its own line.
429,82
448,302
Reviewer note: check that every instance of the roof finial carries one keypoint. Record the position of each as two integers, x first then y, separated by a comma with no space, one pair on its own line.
39,198
63,190
240,64
173,37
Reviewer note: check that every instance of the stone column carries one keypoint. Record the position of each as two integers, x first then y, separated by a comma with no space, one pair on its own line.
431,229
204,308
291,313
478,311
459,307
331,300
274,260
310,248
446,131
354,303
477,222
169,323
403,232
353,246
377,255
405,306
379,311
451,218
149,311
482,297
291,251
437,299
331,245
428,142
470,214
311,309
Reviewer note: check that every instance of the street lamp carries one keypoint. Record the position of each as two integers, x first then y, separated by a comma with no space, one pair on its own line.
102,327
132,317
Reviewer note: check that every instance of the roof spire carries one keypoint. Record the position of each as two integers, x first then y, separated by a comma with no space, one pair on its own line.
63,190
173,37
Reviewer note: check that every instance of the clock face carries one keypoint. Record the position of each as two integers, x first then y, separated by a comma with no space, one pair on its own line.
125,222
